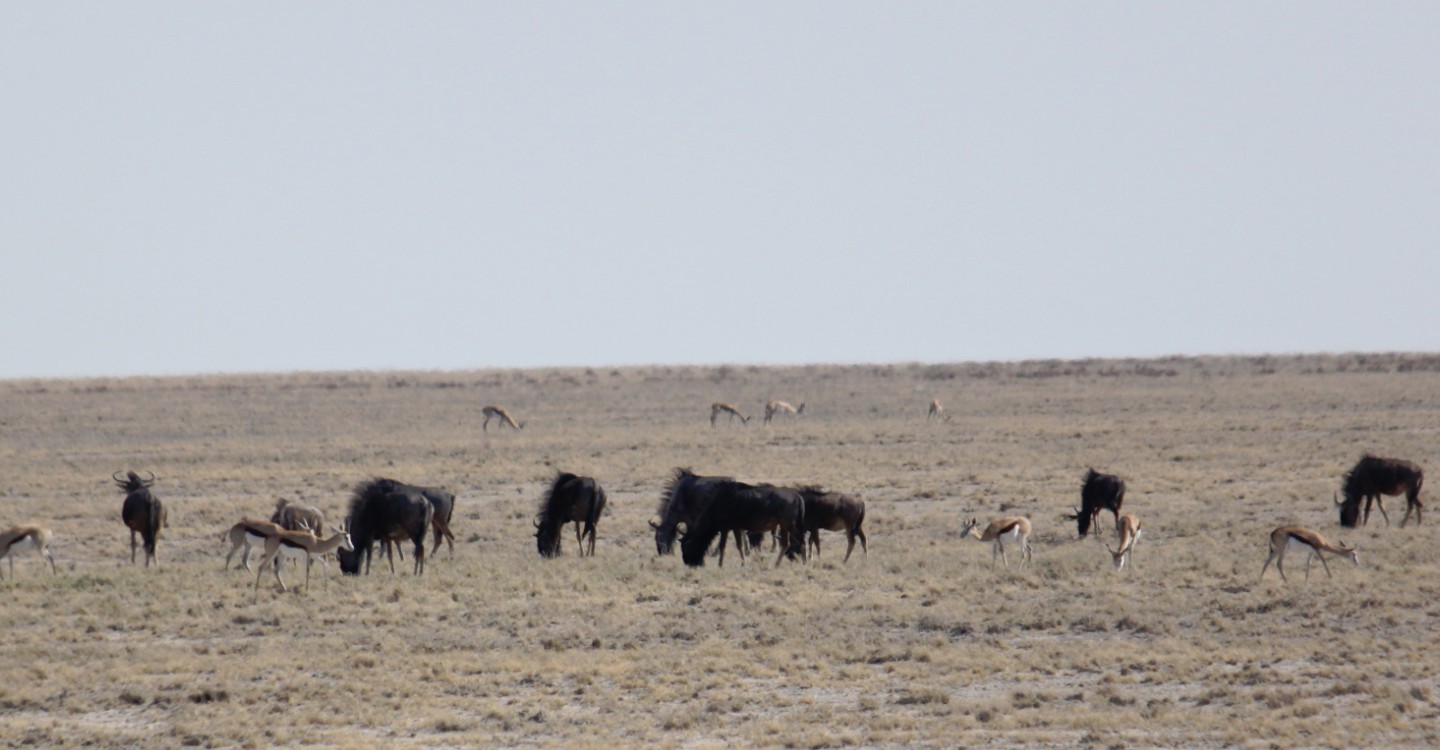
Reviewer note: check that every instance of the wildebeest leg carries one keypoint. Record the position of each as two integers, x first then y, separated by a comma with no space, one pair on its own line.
850,534
580,538
1380,503
1412,505
723,537
132,546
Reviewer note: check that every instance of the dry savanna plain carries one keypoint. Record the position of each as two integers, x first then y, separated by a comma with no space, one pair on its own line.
919,643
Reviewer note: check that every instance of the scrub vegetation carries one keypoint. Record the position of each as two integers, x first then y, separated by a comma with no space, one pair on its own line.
919,643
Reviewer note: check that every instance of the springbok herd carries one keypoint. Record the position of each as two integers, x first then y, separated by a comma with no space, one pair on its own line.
388,512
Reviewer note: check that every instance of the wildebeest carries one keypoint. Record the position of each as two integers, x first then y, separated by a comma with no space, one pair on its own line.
740,507
444,504
833,511
142,513
1372,479
685,496
1100,492
570,498
379,508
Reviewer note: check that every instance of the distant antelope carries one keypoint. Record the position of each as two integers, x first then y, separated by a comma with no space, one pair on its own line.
1129,530
776,406
1018,529
937,411
496,412
38,536
720,407
1305,541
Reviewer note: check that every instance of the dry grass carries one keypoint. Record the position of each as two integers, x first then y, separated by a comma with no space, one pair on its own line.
921,643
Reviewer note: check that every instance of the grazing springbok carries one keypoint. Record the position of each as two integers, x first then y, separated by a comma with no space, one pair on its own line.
142,513
381,509
1018,529
39,537
740,507
1129,534
570,498
720,407
937,411
249,532
1304,541
495,412
1372,479
1100,492
833,511
777,406
300,545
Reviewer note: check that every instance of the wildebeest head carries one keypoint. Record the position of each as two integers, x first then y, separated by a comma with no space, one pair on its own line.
132,481
1349,511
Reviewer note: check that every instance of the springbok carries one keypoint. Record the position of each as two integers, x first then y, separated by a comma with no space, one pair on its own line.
1129,530
937,411
496,412
142,513
1303,540
249,532
777,406
720,407
39,536
298,545
1018,529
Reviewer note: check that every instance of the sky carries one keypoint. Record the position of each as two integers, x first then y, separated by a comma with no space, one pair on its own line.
230,187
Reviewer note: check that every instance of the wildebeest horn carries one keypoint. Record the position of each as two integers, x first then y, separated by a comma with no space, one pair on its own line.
116,477
654,525
151,480
1337,499
536,522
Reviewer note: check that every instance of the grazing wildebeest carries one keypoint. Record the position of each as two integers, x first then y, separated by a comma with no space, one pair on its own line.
1372,479
741,507
1100,492
39,536
570,498
142,513
378,509
833,511
444,504
684,498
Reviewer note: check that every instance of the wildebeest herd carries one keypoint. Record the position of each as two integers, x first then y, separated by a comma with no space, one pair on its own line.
695,510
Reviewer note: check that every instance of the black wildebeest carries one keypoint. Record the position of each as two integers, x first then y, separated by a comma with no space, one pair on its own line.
379,509
1372,479
570,498
444,504
685,496
1100,492
142,513
739,507
833,511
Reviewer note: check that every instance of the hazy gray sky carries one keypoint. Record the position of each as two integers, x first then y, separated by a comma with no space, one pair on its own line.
226,187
